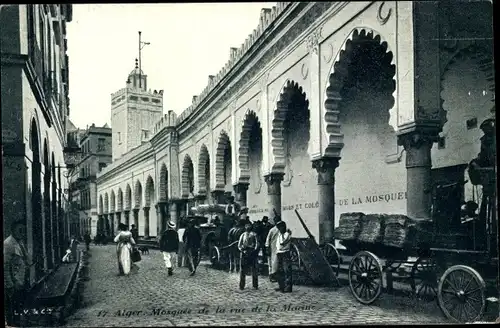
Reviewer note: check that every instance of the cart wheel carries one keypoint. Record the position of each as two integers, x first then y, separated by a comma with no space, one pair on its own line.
424,278
332,256
365,277
215,256
295,256
461,294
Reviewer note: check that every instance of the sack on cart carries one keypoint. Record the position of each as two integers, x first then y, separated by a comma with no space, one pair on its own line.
349,226
372,230
397,231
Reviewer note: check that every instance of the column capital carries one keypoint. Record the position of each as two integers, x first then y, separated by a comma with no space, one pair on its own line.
136,210
273,178
326,169
241,186
325,163
177,200
417,139
200,197
273,181
146,208
418,148
126,211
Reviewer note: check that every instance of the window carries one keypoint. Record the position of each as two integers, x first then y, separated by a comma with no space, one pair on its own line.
101,166
119,138
101,144
145,134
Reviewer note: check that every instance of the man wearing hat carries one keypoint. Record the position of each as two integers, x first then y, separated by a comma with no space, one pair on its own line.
169,245
248,245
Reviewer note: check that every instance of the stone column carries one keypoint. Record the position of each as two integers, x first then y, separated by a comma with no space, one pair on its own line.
240,191
201,199
418,170
273,181
126,217
162,213
146,221
218,196
106,224
136,218
118,220
326,198
112,219
174,217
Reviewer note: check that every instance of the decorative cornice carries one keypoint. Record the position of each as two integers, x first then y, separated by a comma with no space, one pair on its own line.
310,13
137,155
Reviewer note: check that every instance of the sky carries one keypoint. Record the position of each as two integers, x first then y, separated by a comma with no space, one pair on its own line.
188,42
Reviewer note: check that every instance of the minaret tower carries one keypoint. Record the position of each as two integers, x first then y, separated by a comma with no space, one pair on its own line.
134,113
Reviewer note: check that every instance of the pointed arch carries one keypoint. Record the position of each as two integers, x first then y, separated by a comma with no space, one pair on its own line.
203,173
223,146
106,203
150,192
119,204
187,176
163,183
339,76
250,122
128,198
291,93
138,194
101,205
112,205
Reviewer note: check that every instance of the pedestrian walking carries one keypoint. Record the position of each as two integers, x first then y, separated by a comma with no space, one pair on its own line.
192,242
181,255
125,243
272,236
73,244
169,246
16,271
248,245
233,237
135,233
87,239
284,274
265,227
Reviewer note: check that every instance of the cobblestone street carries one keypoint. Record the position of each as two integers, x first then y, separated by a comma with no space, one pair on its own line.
151,298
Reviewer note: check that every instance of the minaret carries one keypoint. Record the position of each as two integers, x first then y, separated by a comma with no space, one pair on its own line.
134,113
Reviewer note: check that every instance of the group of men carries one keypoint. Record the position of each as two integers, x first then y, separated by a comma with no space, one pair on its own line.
276,248
186,241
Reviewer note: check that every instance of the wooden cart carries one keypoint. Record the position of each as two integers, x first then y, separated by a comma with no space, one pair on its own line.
460,278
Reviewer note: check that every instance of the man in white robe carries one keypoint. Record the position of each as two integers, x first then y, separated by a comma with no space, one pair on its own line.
271,247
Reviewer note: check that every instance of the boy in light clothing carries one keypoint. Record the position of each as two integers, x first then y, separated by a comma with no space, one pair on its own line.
284,274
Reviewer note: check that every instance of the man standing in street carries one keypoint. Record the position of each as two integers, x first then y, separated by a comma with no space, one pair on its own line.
87,239
265,228
135,233
169,245
272,236
192,242
15,261
249,247
284,274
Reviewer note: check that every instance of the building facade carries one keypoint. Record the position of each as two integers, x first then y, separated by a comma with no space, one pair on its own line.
96,149
35,109
326,108
134,112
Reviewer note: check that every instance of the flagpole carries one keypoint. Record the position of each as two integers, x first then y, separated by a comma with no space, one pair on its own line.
140,71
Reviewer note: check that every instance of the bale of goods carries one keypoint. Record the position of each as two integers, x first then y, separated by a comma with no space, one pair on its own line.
420,233
396,232
372,230
349,226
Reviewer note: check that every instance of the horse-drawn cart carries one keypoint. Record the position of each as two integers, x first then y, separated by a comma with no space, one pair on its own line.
453,266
